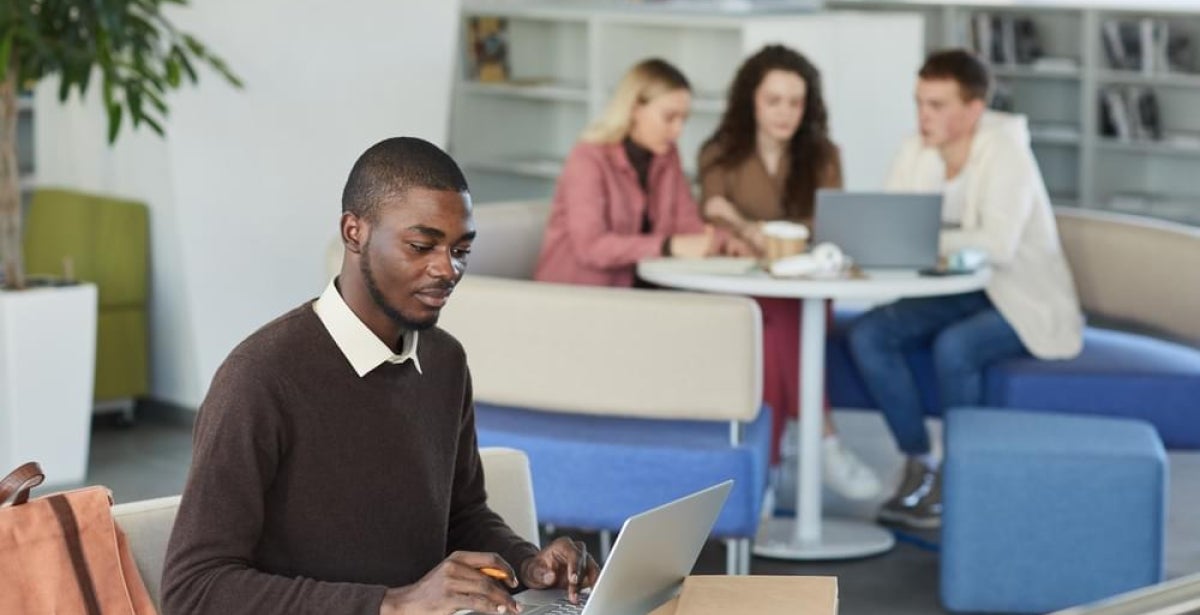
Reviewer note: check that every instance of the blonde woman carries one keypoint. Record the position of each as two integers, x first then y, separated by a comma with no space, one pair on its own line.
622,195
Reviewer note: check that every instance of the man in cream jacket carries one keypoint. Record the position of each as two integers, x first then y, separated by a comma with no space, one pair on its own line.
995,202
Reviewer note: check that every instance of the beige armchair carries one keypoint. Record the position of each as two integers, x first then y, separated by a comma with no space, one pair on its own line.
148,523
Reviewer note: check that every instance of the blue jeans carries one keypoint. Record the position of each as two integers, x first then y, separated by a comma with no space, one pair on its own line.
967,334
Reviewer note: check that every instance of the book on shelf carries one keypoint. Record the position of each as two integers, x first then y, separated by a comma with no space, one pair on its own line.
1008,40
1130,114
981,35
1005,39
1114,115
487,49
1146,45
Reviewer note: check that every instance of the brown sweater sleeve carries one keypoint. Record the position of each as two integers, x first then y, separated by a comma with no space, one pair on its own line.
473,526
240,439
831,177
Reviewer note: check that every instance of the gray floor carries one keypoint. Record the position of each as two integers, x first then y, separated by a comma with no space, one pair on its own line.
150,459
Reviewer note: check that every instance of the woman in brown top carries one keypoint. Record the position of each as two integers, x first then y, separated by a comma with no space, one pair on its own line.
766,160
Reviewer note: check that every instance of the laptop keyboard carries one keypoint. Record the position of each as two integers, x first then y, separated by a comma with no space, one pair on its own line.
558,607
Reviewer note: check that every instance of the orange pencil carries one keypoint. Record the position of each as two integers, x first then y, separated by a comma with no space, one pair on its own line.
495,573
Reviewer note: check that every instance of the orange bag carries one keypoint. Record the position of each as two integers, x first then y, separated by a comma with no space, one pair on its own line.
62,554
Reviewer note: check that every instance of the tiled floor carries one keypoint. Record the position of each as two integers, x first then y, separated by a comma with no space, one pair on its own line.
150,459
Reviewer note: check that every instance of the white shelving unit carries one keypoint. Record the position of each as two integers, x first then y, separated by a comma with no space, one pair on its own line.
565,59
1084,167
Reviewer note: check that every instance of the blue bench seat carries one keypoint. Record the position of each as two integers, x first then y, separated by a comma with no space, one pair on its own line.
593,472
1118,374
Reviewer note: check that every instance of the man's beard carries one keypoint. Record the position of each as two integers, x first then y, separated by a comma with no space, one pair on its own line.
394,314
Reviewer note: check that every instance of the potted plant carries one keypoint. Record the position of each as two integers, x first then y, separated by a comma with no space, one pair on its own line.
135,55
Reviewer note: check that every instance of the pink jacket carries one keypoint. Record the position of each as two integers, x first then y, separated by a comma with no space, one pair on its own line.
593,236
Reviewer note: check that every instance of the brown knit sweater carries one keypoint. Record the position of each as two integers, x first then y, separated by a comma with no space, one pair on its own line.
312,490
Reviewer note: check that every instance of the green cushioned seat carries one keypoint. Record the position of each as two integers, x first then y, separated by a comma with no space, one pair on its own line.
107,242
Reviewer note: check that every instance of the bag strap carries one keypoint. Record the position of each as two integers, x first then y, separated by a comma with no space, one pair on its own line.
20,481
74,543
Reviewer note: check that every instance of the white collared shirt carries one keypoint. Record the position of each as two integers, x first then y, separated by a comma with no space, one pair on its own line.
362,348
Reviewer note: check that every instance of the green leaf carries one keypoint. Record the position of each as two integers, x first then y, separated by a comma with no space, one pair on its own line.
156,101
133,96
187,66
154,125
114,122
85,78
173,70
64,86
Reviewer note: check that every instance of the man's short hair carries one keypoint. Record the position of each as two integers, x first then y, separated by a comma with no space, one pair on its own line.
964,67
391,167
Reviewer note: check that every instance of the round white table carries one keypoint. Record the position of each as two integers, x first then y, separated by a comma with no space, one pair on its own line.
808,536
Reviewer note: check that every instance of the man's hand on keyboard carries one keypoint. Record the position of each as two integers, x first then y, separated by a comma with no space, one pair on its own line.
559,565
455,584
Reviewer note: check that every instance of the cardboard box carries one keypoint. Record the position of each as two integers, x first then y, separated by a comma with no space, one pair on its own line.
764,595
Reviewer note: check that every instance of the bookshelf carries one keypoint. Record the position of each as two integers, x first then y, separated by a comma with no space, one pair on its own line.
565,58
1063,98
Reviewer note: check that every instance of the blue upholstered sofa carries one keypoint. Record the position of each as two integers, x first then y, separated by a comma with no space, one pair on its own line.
1141,277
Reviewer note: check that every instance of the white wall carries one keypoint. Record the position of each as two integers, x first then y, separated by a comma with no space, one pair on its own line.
244,192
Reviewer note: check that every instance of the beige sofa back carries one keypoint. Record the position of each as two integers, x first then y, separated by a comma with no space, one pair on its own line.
595,350
1135,270
148,523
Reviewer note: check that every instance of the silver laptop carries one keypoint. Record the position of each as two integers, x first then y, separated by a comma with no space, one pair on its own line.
881,230
653,553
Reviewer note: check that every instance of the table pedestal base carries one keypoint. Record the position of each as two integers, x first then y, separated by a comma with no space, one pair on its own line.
840,539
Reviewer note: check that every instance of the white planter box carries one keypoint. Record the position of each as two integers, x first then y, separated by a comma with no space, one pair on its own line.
47,368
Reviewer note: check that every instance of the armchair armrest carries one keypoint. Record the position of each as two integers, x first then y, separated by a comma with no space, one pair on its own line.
510,489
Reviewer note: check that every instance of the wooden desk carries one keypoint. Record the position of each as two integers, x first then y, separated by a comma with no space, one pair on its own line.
760,594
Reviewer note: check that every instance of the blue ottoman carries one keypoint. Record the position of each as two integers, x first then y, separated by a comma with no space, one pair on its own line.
1045,511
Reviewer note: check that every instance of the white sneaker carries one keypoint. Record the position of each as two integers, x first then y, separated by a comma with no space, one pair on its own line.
845,473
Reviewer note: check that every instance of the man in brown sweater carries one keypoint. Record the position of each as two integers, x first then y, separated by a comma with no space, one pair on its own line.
335,464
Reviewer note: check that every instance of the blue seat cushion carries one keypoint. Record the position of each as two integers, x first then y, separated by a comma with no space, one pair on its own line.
593,472
1116,374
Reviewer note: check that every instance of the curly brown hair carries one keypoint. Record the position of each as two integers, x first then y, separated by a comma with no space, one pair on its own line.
810,149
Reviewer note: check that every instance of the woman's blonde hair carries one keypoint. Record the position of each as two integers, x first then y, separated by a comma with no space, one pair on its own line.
646,81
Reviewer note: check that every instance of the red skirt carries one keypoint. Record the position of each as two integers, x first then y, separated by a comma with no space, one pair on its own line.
781,362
